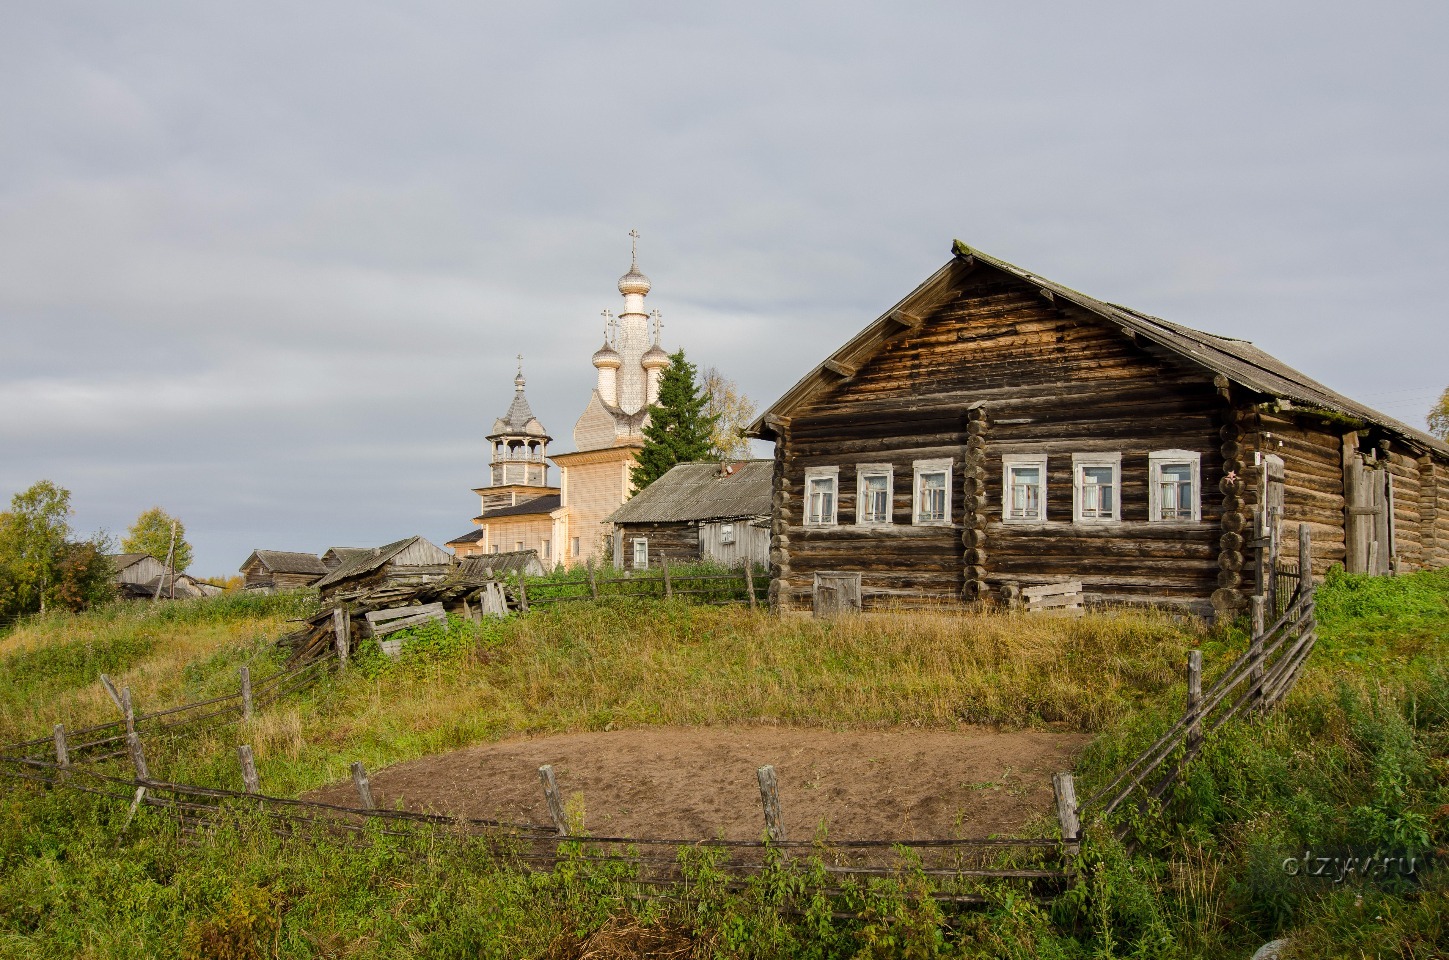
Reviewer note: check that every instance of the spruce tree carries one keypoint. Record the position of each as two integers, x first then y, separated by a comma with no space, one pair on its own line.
679,431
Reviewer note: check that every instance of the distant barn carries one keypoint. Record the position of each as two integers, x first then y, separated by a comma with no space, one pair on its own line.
140,576
715,512
272,570
996,430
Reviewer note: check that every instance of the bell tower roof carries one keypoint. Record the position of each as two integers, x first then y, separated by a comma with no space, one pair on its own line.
519,421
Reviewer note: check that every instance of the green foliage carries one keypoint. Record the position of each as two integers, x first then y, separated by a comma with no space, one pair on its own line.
679,429
151,533
40,564
1439,416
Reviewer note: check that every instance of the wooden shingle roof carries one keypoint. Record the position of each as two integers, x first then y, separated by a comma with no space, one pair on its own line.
285,561
1238,361
702,491
362,563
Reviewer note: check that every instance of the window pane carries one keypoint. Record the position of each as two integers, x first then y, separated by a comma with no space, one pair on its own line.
1175,490
822,499
933,496
1025,493
1097,493
875,499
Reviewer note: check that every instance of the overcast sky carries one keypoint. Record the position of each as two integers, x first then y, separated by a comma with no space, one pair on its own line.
267,265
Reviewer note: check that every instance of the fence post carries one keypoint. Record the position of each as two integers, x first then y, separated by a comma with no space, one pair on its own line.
522,594
364,788
342,627
1305,560
770,800
62,754
1194,700
750,581
246,693
249,769
128,711
138,756
1066,794
593,584
555,802
1255,654
111,690
664,565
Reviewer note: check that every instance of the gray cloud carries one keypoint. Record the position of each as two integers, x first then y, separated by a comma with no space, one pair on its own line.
269,265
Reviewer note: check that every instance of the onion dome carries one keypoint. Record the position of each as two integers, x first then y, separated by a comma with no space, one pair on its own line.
634,281
607,356
654,358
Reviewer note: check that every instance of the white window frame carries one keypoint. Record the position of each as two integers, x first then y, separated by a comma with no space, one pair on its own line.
943,465
1155,461
822,473
863,471
1011,461
1079,462
546,552
575,546
726,534
641,546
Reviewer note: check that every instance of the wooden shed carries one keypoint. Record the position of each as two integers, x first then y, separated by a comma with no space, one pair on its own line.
281,570
717,512
399,567
136,569
996,430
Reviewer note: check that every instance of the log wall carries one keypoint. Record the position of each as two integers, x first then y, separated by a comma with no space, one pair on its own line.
678,541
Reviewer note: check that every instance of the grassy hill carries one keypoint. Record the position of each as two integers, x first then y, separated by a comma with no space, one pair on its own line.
1355,759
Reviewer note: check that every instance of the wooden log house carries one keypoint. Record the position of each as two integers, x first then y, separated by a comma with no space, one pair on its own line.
715,512
996,430
281,570
398,568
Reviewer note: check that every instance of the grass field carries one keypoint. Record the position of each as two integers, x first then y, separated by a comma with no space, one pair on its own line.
1356,759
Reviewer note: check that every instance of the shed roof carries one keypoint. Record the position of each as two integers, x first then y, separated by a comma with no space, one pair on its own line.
501,564
472,536
363,563
1239,361
702,491
537,505
285,561
121,561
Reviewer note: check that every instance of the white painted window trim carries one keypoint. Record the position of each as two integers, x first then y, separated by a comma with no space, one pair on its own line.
1010,460
641,545
919,467
1080,460
875,470
1155,461
823,473
726,534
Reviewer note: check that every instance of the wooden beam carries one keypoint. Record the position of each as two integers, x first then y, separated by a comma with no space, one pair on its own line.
770,800
1066,794
363,785
554,799
840,369
250,780
908,320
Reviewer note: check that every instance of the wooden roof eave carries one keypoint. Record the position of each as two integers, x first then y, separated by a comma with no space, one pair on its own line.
843,363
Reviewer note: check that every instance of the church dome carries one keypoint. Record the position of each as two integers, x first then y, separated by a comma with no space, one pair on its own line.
654,357
634,281
607,356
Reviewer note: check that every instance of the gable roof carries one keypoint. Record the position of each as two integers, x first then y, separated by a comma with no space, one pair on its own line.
1239,361
702,491
366,562
121,561
472,536
285,561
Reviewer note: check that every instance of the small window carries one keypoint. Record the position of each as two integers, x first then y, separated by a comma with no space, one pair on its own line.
641,554
820,495
727,533
518,546
932,500
1023,493
574,546
1173,491
1096,487
546,554
495,548
874,493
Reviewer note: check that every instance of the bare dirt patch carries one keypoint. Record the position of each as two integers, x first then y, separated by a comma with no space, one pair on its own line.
699,782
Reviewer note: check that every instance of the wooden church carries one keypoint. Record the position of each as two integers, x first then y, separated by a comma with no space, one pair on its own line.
996,430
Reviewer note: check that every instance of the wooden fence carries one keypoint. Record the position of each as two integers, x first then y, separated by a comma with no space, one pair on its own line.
712,588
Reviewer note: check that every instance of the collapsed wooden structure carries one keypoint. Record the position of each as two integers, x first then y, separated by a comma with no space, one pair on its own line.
997,431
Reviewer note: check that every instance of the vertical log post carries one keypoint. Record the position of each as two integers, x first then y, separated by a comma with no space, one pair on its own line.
138,756
246,693
62,754
750,582
249,770
342,627
555,801
364,788
111,691
593,584
664,565
1066,794
1305,561
522,594
1255,654
128,711
770,800
1194,699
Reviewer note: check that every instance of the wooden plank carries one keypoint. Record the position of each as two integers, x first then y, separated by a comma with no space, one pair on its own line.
246,693
393,626
111,690
1065,791
554,799
1194,700
138,756
128,711
250,781
1052,589
377,617
62,754
770,801
342,634
1046,603
363,785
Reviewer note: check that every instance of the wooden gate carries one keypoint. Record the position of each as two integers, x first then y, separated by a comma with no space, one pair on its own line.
836,594
1369,509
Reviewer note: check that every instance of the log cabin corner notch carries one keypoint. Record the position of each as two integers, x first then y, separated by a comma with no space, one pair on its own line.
1081,440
